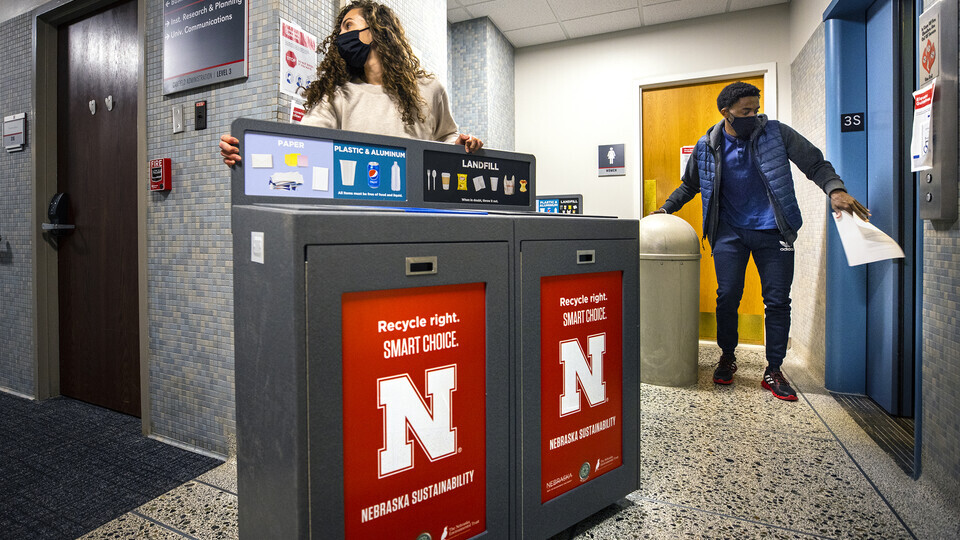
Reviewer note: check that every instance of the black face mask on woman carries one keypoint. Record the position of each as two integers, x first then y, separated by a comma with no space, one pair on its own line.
353,51
743,125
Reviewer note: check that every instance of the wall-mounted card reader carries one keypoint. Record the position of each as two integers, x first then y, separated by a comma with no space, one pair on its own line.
14,132
200,115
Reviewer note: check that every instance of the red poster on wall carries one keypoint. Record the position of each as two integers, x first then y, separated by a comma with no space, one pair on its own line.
414,428
581,379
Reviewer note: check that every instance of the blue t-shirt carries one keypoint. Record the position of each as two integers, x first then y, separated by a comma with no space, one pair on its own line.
743,195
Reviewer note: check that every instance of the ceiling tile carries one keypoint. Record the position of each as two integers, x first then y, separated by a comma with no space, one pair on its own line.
475,2
680,10
644,3
511,15
737,5
576,9
602,24
452,4
535,35
458,15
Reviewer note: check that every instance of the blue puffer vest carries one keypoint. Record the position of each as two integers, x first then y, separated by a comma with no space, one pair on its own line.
770,155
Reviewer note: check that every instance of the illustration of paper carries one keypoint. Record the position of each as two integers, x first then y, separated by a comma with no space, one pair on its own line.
320,179
286,180
261,161
302,160
290,159
863,242
478,183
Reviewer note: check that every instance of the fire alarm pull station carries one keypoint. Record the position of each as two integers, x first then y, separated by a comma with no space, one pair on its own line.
160,174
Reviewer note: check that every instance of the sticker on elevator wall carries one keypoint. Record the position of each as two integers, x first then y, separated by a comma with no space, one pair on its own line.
298,59
286,166
928,44
464,178
414,365
610,160
369,172
581,379
921,143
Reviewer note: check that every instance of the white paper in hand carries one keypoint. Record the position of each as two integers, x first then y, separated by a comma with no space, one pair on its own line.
863,242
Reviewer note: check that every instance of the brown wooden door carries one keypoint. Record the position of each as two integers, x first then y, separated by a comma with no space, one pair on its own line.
674,117
97,168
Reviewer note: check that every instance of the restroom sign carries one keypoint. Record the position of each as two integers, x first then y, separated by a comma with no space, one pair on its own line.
414,422
610,160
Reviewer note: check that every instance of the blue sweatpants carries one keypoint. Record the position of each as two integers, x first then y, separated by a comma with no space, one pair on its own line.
732,248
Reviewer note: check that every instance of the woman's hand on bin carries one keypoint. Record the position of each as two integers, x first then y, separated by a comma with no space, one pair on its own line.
657,211
470,144
229,149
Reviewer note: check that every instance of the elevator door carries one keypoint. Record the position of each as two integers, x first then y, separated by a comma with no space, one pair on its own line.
891,199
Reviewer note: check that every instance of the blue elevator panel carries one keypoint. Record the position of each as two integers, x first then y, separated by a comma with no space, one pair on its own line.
883,199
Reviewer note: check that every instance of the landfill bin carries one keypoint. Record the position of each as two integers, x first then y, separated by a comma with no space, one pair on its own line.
669,301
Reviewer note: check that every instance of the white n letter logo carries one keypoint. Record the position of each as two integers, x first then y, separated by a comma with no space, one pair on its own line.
575,368
404,407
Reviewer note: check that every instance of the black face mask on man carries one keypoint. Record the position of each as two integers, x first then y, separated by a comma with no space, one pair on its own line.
743,125
353,51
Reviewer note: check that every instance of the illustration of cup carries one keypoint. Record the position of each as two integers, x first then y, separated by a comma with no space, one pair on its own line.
445,179
347,171
493,183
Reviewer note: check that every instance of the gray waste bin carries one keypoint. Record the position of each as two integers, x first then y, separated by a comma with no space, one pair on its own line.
669,301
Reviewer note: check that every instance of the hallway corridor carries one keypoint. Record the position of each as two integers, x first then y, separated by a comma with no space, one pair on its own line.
717,462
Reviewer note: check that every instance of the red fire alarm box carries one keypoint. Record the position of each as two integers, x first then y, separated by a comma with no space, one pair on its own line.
160,174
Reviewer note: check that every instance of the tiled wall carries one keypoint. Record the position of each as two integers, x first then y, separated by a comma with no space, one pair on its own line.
482,82
808,104
941,352
190,253
425,22
189,245
16,217
190,256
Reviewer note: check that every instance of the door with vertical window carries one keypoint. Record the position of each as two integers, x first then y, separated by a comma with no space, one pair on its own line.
675,117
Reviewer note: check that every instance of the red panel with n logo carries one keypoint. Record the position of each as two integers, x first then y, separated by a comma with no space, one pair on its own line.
581,379
414,427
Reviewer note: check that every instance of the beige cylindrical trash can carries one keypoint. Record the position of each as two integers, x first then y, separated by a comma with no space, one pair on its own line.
669,301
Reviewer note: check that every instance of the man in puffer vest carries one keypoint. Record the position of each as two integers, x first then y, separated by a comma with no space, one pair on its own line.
741,169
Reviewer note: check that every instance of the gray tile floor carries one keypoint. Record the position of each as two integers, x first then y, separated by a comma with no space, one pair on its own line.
716,462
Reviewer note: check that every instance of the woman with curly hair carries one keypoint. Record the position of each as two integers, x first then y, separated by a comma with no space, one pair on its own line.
371,81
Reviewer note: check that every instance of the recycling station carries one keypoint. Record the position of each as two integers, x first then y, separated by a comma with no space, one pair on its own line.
419,355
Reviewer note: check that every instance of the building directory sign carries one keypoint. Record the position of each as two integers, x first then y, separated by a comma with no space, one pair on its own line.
204,42
414,428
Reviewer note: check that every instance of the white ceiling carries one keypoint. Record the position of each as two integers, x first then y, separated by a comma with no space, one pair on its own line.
532,22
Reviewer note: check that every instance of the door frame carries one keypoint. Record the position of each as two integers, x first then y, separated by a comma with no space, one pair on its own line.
46,20
768,70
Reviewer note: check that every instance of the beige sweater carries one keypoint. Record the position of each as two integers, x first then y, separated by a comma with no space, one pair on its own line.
358,106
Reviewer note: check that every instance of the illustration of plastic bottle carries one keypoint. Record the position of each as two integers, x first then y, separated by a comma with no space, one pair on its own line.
395,177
